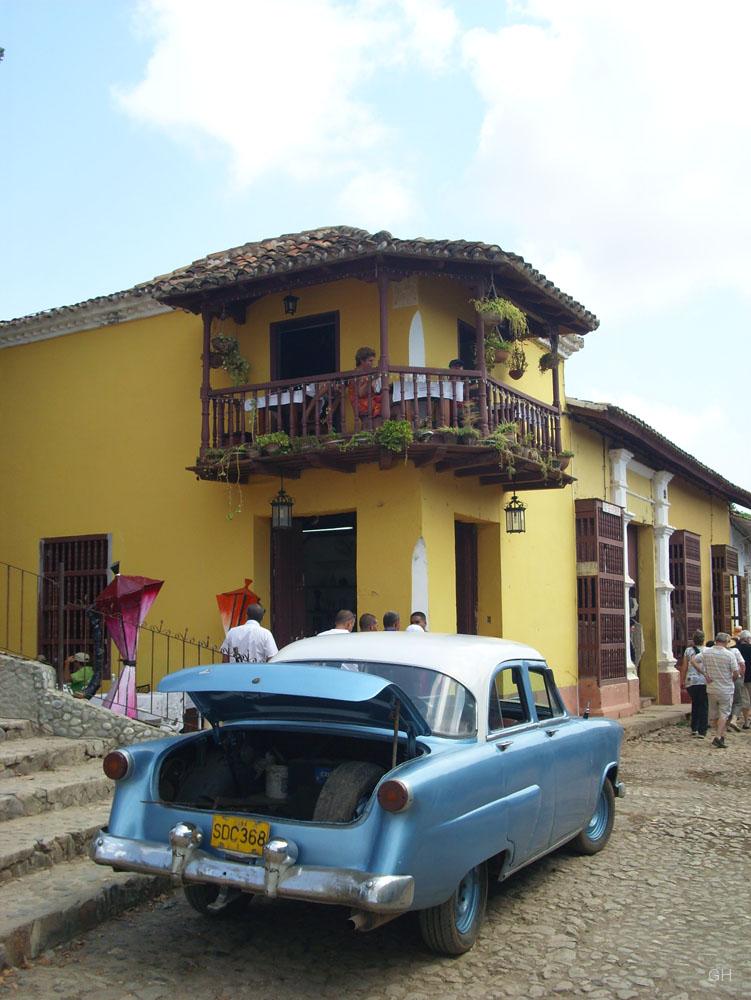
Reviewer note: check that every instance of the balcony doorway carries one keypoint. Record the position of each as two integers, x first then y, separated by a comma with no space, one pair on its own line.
302,348
314,574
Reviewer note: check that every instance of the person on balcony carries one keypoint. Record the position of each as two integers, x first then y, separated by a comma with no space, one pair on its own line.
365,393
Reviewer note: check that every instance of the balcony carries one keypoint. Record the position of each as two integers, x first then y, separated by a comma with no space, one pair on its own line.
460,422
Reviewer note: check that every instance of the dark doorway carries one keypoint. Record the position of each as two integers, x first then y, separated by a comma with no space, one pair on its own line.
467,344
314,574
304,347
465,536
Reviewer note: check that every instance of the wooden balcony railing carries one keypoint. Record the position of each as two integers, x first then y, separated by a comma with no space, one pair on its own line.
347,402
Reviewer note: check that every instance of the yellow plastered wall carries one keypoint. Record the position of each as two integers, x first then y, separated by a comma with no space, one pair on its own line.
640,497
98,428
590,465
539,581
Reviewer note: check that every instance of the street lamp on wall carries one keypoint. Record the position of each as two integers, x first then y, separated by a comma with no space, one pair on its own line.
515,516
290,304
281,509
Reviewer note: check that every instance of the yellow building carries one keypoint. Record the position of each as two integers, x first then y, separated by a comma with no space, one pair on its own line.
124,438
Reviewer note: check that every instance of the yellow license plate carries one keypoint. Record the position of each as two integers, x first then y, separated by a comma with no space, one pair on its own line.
232,833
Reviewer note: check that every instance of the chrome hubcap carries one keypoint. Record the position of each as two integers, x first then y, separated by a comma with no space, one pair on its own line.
467,899
599,822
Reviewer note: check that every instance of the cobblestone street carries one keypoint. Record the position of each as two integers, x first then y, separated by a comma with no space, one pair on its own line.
664,911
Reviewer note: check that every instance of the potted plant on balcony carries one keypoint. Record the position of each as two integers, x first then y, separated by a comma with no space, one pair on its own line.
225,354
564,457
468,435
445,435
394,435
275,443
497,312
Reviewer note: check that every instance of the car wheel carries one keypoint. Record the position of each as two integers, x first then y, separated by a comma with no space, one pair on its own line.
215,900
452,927
346,791
597,832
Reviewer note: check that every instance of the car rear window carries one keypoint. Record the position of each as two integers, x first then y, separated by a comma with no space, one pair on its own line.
446,705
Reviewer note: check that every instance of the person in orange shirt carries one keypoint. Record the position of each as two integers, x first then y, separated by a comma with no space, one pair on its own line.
365,393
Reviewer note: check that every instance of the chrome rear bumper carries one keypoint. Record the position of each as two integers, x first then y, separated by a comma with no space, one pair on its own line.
275,874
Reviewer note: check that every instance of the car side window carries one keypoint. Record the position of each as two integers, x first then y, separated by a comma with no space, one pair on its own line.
508,701
547,701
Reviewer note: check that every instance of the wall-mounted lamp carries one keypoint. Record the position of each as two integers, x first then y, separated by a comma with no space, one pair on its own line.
515,516
290,304
281,509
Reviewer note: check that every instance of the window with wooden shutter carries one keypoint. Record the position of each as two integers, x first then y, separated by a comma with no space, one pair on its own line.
726,601
600,591
85,561
684,552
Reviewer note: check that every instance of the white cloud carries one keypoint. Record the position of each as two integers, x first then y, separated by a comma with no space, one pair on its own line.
278,85
378,199
616,134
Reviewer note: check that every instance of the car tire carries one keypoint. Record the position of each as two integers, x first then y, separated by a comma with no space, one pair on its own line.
596,833
344,791
452,928
215,901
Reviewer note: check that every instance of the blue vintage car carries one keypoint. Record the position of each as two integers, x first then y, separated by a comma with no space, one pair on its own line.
385,772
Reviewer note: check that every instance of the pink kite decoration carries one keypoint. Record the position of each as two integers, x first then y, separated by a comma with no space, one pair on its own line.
233,605
124,604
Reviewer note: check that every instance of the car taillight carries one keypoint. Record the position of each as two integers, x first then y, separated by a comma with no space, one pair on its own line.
117,764
393,796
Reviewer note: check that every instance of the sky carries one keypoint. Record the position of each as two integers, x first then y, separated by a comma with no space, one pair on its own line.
607,143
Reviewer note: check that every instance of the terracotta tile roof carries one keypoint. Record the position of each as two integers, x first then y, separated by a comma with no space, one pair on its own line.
638,436
295,252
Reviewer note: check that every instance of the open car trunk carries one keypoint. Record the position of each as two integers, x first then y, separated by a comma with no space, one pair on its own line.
278,772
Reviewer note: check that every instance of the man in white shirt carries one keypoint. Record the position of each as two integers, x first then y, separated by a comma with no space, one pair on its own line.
249,643
718,665
343,623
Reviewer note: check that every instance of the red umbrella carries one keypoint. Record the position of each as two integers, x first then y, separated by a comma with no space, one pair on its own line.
233,605
124,604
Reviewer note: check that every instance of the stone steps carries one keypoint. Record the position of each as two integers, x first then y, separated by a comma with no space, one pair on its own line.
33,843
16,729
53,799
44,791
27,755
49,907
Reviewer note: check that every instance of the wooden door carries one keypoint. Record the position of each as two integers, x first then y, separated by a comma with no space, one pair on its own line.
465,543
725,588
287,585
684,555
600,582
85,560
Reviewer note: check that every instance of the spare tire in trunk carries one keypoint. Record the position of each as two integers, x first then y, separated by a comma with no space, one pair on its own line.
346,791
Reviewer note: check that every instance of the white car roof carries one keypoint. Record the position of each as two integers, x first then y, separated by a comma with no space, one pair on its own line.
469,659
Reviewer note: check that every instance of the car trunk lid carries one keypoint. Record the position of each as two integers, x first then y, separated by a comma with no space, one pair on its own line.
232,692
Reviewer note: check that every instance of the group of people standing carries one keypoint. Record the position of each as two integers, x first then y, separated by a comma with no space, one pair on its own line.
717,678
252,643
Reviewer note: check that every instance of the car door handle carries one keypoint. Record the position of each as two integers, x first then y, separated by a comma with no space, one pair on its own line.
550,732
503,745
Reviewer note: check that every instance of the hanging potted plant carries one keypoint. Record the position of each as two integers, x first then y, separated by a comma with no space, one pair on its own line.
564,457
518,363
497,312
497,350
547,362
225,354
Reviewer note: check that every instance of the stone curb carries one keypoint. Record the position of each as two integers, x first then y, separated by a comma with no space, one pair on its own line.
59,920
649,720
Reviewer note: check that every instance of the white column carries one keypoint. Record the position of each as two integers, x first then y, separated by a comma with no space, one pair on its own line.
663,586
619,459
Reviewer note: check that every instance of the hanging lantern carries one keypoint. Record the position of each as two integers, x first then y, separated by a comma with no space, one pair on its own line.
515,516
290,304
281,509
